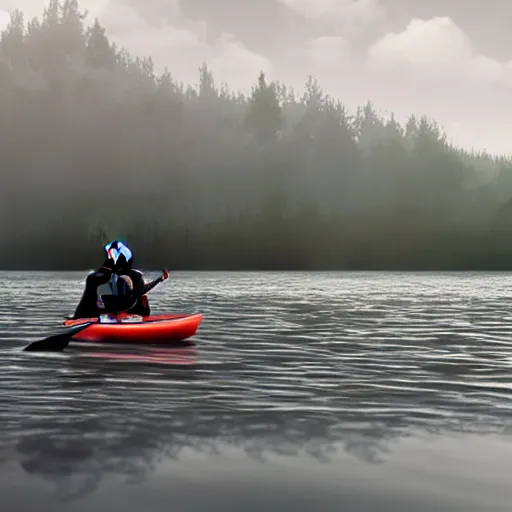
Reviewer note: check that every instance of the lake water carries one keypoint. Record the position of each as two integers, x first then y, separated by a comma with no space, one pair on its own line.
353,392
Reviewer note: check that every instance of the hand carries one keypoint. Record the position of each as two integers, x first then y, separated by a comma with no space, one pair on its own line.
165,274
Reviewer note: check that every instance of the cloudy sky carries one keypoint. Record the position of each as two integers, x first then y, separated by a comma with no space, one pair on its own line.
449,59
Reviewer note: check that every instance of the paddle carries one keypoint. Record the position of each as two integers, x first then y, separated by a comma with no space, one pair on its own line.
148,287
58,342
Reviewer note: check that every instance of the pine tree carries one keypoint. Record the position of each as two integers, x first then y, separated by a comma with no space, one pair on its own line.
264,118
100,53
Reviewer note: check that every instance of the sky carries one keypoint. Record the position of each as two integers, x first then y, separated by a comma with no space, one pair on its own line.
448,59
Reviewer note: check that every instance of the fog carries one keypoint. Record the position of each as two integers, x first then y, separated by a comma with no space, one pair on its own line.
204,150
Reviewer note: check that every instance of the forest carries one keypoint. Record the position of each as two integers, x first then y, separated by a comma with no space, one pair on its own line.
95,145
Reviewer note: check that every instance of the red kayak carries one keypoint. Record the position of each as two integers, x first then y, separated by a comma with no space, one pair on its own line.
147,329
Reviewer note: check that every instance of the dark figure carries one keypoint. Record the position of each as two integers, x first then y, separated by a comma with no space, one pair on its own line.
115,287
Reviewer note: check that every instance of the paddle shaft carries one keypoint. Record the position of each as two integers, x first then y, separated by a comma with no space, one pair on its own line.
148,287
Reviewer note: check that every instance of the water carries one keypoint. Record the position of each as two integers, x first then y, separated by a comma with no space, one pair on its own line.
304,391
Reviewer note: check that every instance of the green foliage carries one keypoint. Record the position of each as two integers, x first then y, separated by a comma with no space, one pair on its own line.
94,142
264,118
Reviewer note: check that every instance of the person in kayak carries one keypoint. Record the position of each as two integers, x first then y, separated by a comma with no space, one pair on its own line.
116,287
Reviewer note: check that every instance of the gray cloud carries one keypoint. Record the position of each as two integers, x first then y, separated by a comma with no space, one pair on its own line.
448,59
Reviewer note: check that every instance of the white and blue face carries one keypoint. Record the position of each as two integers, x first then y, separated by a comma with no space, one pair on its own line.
116,249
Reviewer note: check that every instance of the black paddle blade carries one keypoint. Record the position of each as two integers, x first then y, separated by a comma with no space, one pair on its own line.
56,342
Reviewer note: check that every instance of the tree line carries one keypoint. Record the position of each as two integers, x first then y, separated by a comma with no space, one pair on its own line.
94,144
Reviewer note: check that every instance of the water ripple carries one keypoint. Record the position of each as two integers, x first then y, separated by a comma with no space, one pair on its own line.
283,362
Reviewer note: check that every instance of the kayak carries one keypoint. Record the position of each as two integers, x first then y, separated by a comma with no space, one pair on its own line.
141,330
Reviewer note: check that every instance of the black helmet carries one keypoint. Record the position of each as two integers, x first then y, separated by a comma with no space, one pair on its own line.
119,254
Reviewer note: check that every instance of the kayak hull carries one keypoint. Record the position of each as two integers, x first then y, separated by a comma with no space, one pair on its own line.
153,329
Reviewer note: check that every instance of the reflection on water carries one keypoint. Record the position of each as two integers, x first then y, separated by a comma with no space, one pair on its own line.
325,368
154,355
